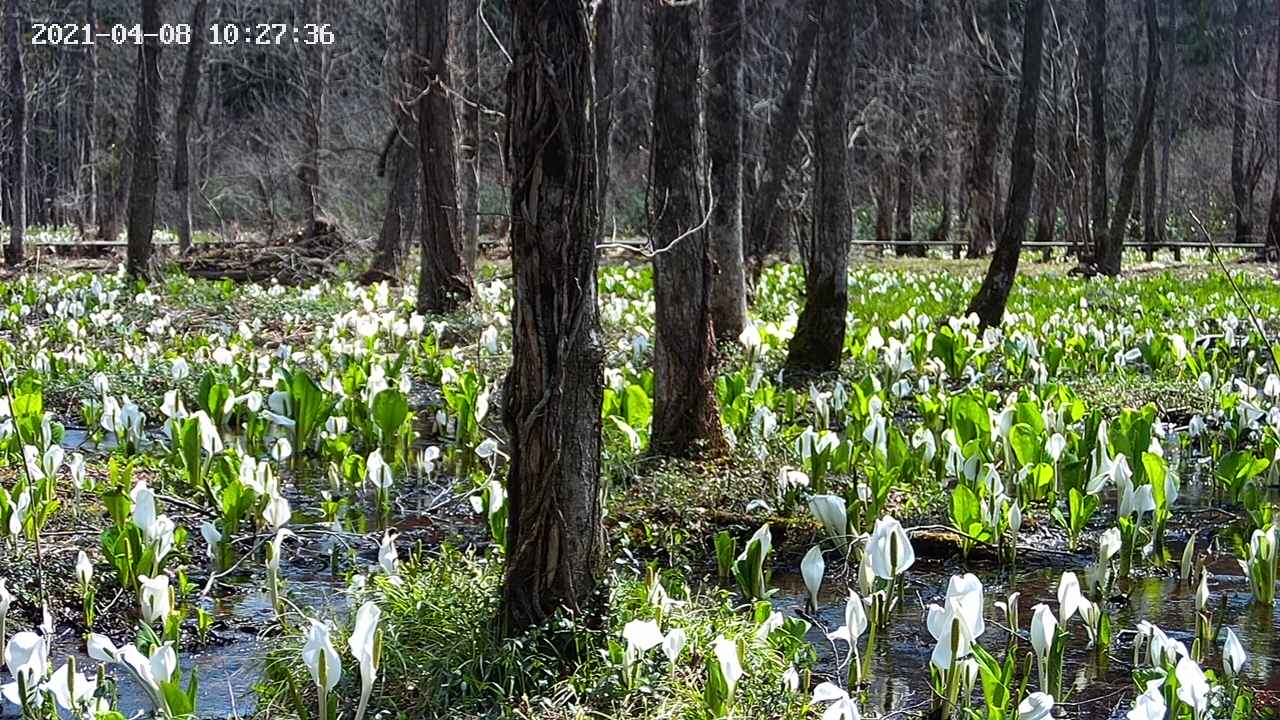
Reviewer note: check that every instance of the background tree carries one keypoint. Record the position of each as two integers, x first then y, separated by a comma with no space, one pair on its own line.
1112,250
1273,215
315,73
993,295
470,146
992,47
400,154
17,161
725,38
186,108
1098,197
1242,61
819,339
553,391
444,280
686,418
146,149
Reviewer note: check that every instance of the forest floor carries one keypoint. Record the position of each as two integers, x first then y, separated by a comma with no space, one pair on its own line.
300,387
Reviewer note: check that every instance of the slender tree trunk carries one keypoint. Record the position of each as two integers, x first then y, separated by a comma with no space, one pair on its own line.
725,44
1273,216
1242,62
186,106
1170,122
17,171
315,71
819,339
686,419
444,281
784,127
991,102
91,116
992,297
904,204
146,150
604,20
942,231
552,394
471,132
400,215
1047,217
1098,195
1113,252
1149,200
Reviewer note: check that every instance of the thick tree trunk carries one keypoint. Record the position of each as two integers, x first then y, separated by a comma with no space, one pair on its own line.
725,42
552,394
314,71
400,215
686,419
444,281
783,128
1242,62
992,95
471,132
819,339
186,106
1113,251
146,150
17,102
1098,195
992,297
604,20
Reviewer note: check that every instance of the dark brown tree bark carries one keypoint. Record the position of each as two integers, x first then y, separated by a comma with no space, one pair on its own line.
400,215
1241,67
783,128
993,47
1112,252
16,176
1047,217
1149,200
141,221
686,419
471,132
315,71
553,391
1098,194
444,282
819,339
725,41
992,297
186,106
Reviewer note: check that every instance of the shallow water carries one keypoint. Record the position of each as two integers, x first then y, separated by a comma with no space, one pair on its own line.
1100,686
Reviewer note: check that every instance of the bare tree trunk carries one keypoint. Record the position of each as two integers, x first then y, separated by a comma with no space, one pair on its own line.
991,102
91,116
904,202
604,20
552,394
314,70
444,281
818,342
146,150
942,231
784,127
1242,65
400,215
1273,216
186,105
1170,122
725,42
686,419
17,171
471,132
992,297
1149,200
1098,195
1047,218
1113,251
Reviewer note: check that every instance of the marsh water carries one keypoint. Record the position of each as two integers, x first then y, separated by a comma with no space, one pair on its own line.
1100,686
